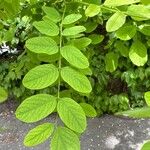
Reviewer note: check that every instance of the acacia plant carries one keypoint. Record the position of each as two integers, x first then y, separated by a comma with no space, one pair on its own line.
58,32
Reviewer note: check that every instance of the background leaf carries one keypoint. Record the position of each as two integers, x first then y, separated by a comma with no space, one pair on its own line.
3,94
41,77
147,97
36,107
72,114
39,134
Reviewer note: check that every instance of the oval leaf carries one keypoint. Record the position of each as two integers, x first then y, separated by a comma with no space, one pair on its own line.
146,146
88,109
147,98
47,27
36,108
138,53
43,45
52,13
92,10
73,30
65,138
115,21
3,94
39,134
126,32
76,80
72,114
75,57
41,77
71,18
145,29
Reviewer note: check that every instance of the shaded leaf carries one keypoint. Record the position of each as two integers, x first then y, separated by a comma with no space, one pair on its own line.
3,94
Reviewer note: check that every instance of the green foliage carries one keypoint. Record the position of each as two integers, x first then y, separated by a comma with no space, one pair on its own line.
3,95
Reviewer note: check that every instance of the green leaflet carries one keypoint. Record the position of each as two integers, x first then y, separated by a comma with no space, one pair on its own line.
74,56
145,29
145,2
47,27
72,114
76,80
65,138
36,107
88,109
81,43
39,134
111,61
143,14
146,146
115,21
126,32
136,113
71,18
92,10
3,94
41,77
147,98
43,45
124,51
52,13
138,53
120,2
73,30
96,38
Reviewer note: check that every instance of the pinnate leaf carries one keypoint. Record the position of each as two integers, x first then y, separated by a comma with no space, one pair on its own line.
138,53
65,138
36,107
41,77
71,18
72,114
39,134
76,80
75,57
43,45
115,21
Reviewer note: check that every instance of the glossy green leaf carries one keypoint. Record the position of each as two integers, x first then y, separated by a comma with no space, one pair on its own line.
47,27
72,114
36,107
43,45
71,18
76,80
52,13
3,94
146,146
41,77
143,14
136,113
81,43
74,56
145,29
39,134
92,10
111,61
138,53
65,138
147,98
88,109
126,32
120,2
115,21
73,30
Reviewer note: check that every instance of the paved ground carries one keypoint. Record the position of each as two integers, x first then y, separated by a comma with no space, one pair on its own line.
104,133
